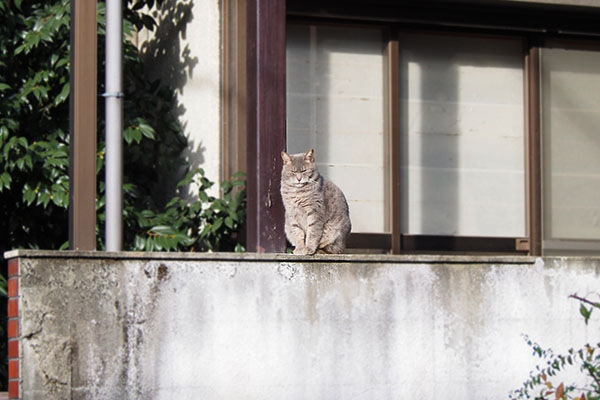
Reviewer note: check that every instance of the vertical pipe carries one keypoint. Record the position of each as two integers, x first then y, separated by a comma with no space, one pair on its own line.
114,126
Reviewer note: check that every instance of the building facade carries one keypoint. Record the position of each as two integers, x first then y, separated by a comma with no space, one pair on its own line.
451,126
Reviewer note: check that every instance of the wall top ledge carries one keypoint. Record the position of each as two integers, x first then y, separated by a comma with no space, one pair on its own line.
262,257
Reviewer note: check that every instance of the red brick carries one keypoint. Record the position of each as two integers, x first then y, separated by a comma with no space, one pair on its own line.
13,328
13,369
13,287
13,389
13,267
13,308
13,348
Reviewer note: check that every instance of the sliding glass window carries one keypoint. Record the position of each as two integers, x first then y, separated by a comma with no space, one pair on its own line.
571,150
335,104
426,133
462,136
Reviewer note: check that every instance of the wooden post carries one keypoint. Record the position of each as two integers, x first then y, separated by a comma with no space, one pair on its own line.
82,206
534,148
393,112
266,127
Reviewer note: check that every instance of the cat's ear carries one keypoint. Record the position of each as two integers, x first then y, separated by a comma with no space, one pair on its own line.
310,155
285,157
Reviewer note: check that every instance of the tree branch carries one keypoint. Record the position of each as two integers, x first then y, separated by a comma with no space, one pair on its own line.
584,300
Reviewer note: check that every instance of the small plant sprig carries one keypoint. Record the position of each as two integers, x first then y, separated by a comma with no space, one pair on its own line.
206,224
543,383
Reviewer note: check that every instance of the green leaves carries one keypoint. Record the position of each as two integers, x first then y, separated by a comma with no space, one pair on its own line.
162,237
34,143
43,25
64,93
585,312
34,76
206,224
139,129
5,180
587,358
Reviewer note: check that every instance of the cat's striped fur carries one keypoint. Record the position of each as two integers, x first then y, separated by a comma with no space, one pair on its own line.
316,211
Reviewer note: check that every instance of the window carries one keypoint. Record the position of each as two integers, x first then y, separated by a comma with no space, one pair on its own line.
571,150
335,104
451,127
462,136
460,143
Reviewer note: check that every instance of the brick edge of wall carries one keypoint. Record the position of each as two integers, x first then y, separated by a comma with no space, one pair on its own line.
13,327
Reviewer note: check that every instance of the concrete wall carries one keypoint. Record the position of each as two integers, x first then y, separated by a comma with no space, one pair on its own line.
223,326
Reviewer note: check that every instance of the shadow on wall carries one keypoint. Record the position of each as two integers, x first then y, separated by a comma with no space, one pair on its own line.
432,129
162,51
170,60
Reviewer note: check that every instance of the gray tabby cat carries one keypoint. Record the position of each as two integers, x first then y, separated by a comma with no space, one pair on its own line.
316,211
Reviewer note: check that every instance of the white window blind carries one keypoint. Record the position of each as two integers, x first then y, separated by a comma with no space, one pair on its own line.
571,149
462,123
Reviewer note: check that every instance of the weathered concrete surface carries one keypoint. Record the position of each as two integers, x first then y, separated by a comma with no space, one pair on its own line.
210,326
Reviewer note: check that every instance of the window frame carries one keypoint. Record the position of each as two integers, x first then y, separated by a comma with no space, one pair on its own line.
396,241
535,24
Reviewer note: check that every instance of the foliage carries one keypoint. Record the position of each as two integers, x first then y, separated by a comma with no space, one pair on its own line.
34,88
34,141
543,383
207,224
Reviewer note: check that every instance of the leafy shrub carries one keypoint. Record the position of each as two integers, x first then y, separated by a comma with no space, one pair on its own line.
209,223
543,383
34,142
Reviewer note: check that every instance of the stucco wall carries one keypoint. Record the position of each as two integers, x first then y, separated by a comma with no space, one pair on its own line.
184,52
280,327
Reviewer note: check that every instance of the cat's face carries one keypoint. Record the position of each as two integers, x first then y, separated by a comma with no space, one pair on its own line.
299,169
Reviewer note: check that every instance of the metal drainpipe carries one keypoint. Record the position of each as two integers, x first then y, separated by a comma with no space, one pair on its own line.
114,126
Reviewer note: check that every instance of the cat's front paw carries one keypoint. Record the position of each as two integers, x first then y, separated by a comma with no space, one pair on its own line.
303,251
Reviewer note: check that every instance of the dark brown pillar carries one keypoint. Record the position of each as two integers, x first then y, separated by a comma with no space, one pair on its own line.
534,147
393,100
266,123
82,206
